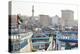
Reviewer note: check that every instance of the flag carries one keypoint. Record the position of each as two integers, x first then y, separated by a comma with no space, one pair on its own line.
19,20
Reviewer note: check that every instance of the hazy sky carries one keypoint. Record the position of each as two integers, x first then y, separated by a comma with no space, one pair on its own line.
51,9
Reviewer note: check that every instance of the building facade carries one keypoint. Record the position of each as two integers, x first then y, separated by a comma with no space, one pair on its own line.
55,20
44,20
67,18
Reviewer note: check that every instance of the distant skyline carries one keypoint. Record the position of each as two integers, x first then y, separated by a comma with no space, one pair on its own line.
25,8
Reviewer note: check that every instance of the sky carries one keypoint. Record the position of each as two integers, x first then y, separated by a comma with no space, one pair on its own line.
46,8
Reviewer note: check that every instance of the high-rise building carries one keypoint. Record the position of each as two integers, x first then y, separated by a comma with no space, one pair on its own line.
67,17
44,20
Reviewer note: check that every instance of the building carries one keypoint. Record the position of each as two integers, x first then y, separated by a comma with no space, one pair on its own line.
55,20
44,20
67,18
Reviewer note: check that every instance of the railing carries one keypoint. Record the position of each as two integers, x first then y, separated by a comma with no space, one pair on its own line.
40,42
18,44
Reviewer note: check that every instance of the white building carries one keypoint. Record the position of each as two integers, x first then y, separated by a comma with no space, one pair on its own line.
56,20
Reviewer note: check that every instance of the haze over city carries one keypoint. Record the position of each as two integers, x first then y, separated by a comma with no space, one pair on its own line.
25,8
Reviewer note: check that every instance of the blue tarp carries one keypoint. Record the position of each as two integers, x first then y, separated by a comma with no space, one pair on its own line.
68,40
70,32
